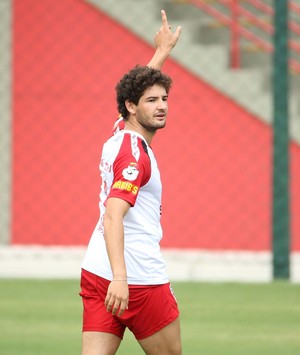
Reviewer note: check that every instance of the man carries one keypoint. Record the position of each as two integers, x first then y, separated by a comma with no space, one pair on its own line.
123,281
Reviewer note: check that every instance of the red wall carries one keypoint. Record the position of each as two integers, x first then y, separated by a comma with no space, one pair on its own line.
215,157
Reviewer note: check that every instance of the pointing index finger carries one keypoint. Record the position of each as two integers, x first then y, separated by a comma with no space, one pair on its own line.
164,20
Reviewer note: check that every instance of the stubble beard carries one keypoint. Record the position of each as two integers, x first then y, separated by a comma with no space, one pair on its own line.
151,127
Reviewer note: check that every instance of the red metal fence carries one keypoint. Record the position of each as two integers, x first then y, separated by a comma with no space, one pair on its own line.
243,24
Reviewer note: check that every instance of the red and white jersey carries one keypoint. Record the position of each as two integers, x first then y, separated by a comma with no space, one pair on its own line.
129,171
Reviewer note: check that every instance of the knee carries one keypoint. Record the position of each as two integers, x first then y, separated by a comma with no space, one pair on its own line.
175,349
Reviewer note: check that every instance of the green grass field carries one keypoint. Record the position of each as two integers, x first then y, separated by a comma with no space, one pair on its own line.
44,317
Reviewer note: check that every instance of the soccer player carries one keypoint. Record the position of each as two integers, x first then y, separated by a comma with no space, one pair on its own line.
124,282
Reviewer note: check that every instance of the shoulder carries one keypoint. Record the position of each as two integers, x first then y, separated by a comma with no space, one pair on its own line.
135,146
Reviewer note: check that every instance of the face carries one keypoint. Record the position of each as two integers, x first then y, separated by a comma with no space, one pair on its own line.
152,108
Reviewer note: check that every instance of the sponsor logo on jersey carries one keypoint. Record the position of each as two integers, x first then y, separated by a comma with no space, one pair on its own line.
131,172
126,186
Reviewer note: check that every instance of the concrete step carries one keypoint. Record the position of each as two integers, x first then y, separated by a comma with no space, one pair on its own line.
208,31
179,10
254,57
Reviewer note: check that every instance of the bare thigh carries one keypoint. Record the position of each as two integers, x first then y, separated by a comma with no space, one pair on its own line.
167,341
97,343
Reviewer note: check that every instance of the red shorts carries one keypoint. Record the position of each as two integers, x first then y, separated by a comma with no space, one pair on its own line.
150,308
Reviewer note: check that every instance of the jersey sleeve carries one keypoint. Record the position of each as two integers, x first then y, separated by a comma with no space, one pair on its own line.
131,170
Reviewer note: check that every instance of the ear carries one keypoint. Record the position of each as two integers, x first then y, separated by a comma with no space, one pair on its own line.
131,107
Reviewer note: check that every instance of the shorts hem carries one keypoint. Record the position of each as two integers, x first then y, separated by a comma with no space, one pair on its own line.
99,330
157,328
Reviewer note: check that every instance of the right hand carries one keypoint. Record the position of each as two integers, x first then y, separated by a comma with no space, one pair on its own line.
117,297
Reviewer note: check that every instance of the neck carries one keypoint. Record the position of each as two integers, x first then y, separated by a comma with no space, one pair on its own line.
135,127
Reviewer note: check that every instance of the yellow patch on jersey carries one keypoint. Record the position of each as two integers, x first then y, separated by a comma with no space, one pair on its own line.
127,186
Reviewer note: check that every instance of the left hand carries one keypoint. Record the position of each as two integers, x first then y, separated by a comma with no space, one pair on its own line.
165,39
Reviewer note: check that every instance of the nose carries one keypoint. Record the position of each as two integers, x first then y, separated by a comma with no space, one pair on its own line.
162,104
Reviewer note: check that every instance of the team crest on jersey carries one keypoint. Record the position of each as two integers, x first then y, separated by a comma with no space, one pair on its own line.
131,172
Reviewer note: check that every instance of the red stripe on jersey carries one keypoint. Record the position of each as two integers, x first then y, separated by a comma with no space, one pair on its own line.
132,169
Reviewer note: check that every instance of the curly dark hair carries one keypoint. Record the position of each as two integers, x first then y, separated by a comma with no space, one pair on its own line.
133,85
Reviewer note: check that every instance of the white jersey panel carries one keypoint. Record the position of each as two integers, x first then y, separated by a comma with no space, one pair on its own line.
142,228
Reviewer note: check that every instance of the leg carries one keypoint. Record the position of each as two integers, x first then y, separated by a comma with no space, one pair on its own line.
166,341
97,343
